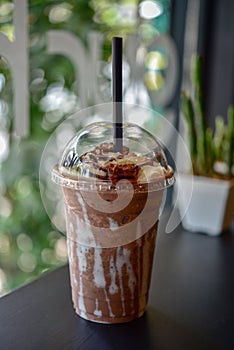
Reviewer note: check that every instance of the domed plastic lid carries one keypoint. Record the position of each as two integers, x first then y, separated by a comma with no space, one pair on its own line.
91,159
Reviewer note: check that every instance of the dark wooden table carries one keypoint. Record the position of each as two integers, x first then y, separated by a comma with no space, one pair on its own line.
191,304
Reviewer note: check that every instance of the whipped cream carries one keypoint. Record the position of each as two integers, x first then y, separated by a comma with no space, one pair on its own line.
103,163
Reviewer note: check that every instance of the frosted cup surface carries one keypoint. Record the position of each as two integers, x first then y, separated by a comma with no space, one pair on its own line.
112,202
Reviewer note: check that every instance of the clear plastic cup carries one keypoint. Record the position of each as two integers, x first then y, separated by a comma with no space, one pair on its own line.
112,202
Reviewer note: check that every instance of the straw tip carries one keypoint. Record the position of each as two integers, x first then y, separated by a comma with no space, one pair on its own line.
117,38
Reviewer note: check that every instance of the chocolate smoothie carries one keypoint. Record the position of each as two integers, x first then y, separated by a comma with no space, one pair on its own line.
112,203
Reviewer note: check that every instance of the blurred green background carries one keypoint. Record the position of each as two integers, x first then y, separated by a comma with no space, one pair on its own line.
29,244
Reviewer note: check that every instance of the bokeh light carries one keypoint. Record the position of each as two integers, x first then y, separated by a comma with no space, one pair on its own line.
60,13
6,11
4,140
8,30
150,9
24,186
156,60
24,242
2,81
61,249
154,80
5,207
3,281
27,262
4,244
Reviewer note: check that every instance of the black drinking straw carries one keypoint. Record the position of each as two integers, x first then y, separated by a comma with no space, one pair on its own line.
117,48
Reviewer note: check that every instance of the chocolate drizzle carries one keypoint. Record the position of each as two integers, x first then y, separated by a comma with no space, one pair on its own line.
104,163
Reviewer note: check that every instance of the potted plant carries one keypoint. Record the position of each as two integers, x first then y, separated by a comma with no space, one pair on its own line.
211,208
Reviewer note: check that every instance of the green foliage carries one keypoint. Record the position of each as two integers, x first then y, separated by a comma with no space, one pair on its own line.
29,244
207,148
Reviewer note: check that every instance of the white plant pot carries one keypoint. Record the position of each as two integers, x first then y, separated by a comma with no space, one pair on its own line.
211,208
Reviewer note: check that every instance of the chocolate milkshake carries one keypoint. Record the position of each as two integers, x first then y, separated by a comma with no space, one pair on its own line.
112,203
